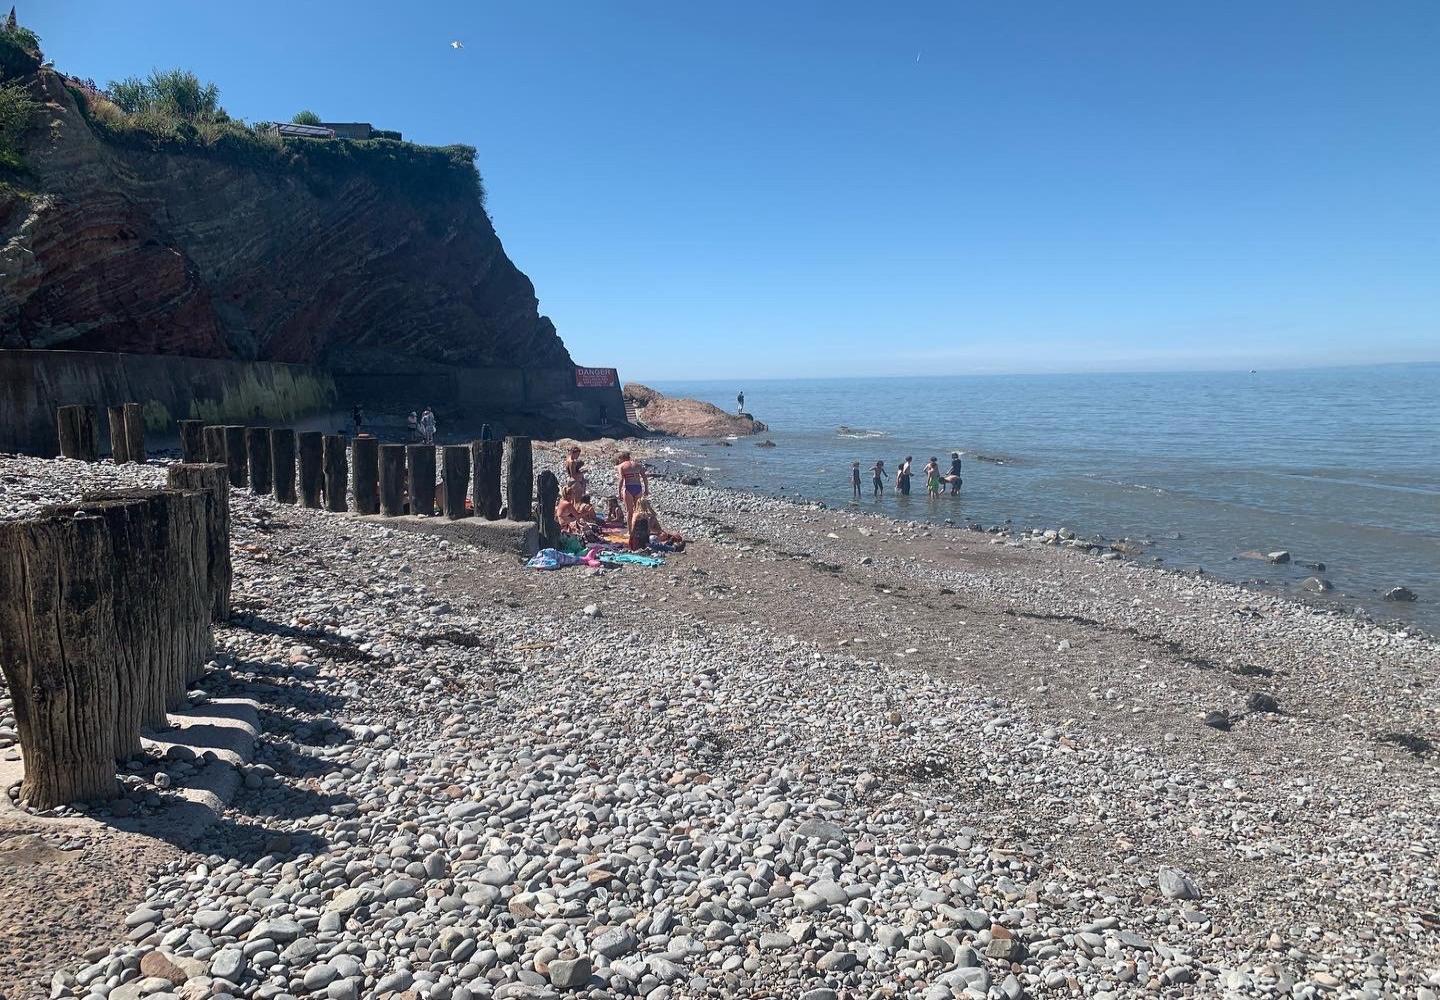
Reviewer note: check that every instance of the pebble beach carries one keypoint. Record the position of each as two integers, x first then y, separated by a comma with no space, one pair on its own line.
819,754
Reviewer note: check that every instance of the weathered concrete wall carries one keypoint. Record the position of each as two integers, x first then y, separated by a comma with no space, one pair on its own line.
34,383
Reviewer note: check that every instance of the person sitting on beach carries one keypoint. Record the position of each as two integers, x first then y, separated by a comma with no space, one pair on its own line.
639,534
954,477
658,535
586,512
877,478
575,469
633,482
614,513
567,514
932,477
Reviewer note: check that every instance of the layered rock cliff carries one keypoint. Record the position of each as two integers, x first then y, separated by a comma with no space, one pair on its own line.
357,264
686,417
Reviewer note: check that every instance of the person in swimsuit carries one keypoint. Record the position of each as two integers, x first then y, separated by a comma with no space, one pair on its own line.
877,478
855,479
575,469
932,477
902,477
633,483
644,509
954,477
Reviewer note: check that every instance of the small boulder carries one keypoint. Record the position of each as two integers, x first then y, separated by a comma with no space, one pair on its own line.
1278,558
1175,884
1259,701
1218,720
1400,594
1317,584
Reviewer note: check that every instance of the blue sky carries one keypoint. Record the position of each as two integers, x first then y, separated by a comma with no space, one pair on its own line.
821,188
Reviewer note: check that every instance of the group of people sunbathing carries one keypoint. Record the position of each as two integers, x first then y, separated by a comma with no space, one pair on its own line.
629,512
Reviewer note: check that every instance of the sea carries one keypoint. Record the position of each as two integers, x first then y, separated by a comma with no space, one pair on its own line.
1338,466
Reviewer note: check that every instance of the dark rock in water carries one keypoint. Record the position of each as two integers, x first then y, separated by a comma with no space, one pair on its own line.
1278,558
1259,701
1317,584
1400,594
767,443
1218,720
1316,567
690,479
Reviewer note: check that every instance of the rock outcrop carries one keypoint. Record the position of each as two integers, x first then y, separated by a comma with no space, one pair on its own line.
213,252
686,417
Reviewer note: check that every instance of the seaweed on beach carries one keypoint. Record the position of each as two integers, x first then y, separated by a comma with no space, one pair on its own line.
1417,745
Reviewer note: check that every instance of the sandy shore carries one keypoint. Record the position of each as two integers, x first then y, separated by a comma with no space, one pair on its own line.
818,754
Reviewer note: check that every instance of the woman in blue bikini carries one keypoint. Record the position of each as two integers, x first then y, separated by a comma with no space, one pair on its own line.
633,484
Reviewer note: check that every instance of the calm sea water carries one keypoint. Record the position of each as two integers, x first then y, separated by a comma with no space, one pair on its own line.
1340,466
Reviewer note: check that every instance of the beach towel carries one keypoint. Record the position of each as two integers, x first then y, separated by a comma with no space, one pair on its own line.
551,559
630,558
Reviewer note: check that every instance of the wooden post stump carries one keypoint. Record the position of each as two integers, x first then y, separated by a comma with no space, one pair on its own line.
489,459
393,492
235,458
119,443
257,457
547,495
214,437
421,462
519,478
456,474
77,433
135,432
192,441
365,474
282,464
311,467
214,479
336,467
57,652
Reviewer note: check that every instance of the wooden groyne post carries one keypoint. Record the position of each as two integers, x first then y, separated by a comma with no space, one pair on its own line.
456,476
421,461
312,476
547,495
365,474
119,443
336,468
392,480
519,478
135,433
215,451
192,441
257,456
77,432
489,459
214,479
282,464
235,457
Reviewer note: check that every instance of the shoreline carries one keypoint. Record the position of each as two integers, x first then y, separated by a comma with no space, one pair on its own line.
818,753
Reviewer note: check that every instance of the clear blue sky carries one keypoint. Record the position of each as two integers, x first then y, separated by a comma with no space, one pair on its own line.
812,188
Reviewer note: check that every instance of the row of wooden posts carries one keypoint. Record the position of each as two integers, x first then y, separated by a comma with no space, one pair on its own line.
106,621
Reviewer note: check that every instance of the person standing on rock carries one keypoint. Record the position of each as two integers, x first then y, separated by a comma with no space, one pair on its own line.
427,426
740,398
412,424
877,478
358,418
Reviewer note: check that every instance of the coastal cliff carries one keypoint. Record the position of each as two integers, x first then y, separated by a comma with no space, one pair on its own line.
686,417
352,256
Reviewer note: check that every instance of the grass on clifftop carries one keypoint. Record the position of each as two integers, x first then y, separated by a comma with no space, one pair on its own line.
155,121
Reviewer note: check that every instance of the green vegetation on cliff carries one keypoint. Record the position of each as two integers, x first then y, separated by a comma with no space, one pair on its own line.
174,112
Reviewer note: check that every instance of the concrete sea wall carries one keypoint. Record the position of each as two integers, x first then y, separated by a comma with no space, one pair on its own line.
33,384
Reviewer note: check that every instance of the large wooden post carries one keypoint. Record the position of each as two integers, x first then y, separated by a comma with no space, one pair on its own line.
257,457
456,475
392,480
311,467
214,437
192,441
519,478
235,458
77,433
135,432
365,474
119,443
336,467
213,479
489,459
282,464
547,495
57,653
421,461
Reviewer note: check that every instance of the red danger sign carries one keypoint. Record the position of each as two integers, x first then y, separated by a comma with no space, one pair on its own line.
596,378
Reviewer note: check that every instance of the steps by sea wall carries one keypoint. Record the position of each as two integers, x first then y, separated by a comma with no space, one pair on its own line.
33,384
